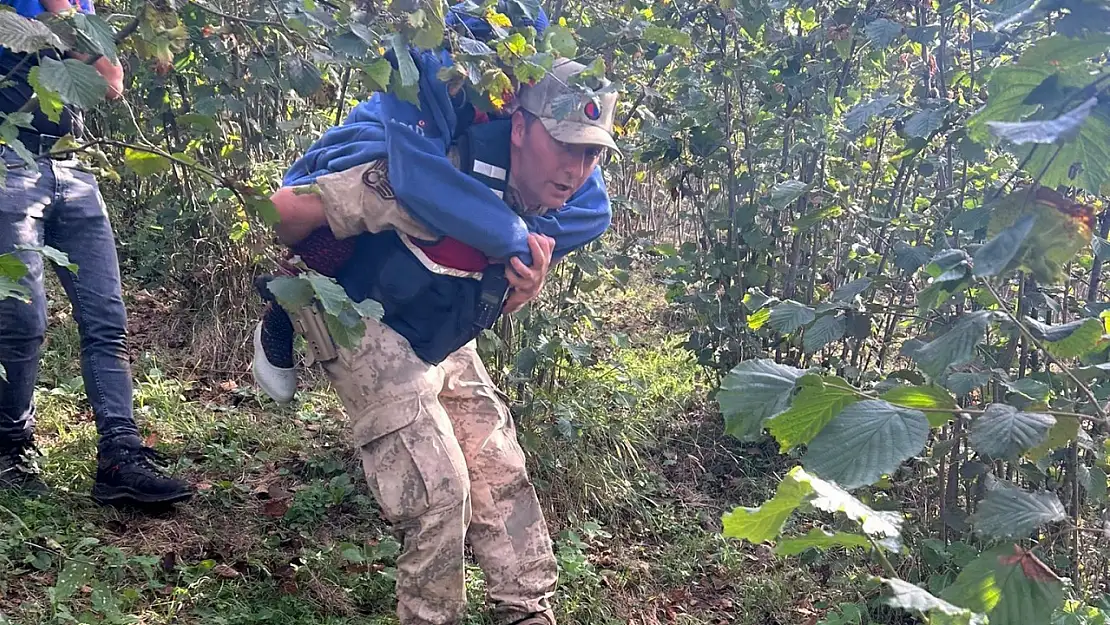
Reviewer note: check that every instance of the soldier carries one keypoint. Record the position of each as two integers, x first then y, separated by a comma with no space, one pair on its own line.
438,446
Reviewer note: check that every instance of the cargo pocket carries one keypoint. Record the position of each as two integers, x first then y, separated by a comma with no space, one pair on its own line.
416,470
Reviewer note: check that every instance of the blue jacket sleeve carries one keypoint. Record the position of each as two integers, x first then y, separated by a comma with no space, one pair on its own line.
445,200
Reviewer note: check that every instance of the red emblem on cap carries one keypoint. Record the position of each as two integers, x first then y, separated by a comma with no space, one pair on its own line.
592,110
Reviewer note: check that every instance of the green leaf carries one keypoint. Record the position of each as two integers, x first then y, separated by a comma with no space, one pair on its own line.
527,9
815,217
818,538
13,289
823,331
910,258
52,254
996,254
789,315
963,382
292,292
12,267
405,65
369,309
1063,228
916,599
560,40
949,265
1064,432
1047,131
330,294
74,575
882,32
1083,162
1095,483
76,83
379,72
1060,51
829,497
1010,86
346,333
1003,432
9,134
303,75
765,523
263,207
756,299
861,114
1009,511
95,36
754,391
759,318
50,103
103,601
816,404
351,552
867,440
1068,340
206,123
997,584
20,34
954,347
786,192
931,398
1030,591
667,36
146,163
430,34
925,122
849,291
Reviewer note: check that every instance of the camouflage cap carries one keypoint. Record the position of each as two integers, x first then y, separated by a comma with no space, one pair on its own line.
587,122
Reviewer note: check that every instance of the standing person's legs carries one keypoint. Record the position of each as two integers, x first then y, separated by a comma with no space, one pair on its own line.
23,199
77,224
508,532
414,468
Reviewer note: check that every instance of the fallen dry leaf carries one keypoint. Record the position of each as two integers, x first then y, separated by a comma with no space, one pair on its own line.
225,571
276,508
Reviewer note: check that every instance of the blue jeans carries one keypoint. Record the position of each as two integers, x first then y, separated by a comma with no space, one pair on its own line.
61,206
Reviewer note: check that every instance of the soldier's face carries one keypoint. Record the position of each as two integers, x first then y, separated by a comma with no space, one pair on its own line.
547,171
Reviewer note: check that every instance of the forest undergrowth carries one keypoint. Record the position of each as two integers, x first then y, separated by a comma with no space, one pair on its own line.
627,453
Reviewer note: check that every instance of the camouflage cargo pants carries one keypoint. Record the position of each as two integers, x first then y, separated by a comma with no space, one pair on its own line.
441,457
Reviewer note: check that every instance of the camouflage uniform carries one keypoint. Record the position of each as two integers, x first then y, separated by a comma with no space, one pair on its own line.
440,452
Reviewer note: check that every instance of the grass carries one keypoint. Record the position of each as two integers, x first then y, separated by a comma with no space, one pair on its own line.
630,462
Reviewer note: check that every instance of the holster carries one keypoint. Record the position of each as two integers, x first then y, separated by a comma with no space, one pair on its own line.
309,323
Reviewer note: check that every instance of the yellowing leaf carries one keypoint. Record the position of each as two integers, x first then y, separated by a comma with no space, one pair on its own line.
498,19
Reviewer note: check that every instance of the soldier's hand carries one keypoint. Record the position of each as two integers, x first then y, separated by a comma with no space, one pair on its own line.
527,282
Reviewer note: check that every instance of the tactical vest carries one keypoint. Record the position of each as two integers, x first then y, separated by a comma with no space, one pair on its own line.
437,307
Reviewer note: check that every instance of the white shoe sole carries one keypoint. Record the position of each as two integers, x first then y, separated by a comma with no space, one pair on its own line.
280,384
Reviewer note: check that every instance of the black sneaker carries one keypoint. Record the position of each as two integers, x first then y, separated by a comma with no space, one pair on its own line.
129,473
18,470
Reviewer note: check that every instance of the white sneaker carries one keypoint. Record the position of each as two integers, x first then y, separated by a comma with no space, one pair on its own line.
280,384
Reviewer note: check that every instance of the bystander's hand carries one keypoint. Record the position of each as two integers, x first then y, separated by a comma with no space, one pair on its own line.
527,282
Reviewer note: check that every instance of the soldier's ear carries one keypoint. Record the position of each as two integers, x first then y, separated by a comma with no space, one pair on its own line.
520,128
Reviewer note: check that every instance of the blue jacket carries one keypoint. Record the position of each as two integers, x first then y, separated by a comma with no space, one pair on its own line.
445,200
32,8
